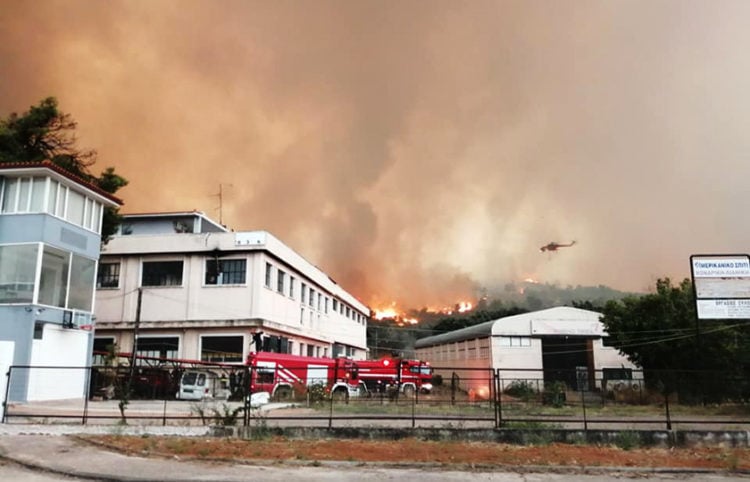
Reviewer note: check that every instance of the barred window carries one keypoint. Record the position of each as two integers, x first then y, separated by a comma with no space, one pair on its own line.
225,271
108,275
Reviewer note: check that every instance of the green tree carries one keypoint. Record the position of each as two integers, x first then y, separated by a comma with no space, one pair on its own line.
659,331
46,133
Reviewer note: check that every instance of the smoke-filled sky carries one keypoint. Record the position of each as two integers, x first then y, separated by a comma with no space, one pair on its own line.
417,151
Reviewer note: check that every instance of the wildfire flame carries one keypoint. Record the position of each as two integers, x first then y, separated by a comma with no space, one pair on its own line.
392,312
386,313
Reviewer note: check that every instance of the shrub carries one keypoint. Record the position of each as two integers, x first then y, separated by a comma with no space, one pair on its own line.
554,394
316,393
521,389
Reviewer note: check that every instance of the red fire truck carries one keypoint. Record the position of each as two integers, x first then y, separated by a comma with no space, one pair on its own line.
408,375
280,374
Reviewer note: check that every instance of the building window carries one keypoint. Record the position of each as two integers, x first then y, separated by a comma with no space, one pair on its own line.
312,298
325,305
269,269
162,273
291,286
76,208
10,194
108,275
280,281
319,298
53,285
515,341
81,292
225,271
158,347
222,349
103,347
335,305
303,292
17,273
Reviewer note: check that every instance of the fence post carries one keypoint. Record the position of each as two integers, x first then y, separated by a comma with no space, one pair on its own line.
330,414
7,391
414,412
666,407
585,421
454,382
247,376
87,394
498,400
164,413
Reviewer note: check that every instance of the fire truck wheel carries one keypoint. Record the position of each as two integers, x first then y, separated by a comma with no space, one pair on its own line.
408,391
283,394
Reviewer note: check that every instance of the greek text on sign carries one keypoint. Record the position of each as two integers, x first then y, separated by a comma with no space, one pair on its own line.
723,309
738,267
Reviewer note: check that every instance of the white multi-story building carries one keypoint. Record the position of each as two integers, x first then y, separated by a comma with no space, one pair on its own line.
188,288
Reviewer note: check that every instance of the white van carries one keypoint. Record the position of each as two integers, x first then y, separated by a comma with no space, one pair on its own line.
200,385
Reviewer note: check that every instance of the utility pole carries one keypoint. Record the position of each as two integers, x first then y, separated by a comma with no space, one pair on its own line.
135,335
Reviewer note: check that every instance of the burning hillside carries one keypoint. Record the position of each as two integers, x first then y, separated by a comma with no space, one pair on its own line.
401,317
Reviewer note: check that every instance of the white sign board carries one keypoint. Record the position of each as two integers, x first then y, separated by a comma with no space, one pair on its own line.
723,309
721,267
722,286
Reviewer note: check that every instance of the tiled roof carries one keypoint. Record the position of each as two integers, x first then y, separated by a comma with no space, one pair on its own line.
47,164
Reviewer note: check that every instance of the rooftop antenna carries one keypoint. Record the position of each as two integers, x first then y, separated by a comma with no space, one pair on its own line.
221,202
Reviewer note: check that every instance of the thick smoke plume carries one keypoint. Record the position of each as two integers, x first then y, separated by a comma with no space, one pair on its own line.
417,151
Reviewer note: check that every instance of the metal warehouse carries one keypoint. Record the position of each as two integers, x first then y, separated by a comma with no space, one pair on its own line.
558,344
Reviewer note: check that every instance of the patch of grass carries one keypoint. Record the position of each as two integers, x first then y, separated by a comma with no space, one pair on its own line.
541,437
627,440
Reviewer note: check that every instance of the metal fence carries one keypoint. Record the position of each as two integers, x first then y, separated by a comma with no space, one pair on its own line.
460,397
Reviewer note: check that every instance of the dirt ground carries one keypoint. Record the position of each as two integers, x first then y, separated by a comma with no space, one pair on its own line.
412,450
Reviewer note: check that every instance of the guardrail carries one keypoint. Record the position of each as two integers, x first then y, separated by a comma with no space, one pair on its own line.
460,397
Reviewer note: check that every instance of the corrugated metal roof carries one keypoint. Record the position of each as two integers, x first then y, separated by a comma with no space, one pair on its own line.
484,330
481,330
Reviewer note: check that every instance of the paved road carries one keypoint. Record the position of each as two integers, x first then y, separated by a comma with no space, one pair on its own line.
45,458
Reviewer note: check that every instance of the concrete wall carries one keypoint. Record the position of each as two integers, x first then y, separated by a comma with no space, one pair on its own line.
35,228
59,347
